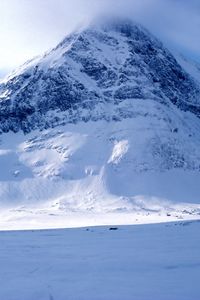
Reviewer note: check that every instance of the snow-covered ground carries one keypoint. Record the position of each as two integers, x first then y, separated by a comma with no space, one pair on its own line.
144,262
139,170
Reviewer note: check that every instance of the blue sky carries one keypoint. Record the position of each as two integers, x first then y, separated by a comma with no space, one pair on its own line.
29,27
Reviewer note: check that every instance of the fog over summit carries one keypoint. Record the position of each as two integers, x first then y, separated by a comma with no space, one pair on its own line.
30,27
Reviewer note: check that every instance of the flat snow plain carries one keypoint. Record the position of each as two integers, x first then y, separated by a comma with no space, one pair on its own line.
141,262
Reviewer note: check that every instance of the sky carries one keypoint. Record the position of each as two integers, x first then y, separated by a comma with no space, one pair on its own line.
30,27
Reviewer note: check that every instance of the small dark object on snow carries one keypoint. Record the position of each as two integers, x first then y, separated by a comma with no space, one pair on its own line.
175,130
113,228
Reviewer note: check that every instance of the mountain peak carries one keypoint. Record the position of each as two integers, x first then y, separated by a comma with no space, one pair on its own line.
91,74
106,24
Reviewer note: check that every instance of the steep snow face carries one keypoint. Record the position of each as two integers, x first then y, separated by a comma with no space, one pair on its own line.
139,170
91,75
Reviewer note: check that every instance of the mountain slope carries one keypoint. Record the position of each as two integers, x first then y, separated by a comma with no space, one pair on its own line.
190,66
90,70
112,133
94,173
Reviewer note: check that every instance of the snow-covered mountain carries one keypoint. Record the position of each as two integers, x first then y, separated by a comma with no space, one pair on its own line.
112,125
97,69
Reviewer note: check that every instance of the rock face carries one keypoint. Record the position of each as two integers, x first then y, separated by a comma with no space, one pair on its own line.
93,74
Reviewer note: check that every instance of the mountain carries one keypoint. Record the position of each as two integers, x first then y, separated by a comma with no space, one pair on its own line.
105,124
101,65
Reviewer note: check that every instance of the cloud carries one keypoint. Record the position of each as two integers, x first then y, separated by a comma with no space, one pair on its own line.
29,27
176,22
